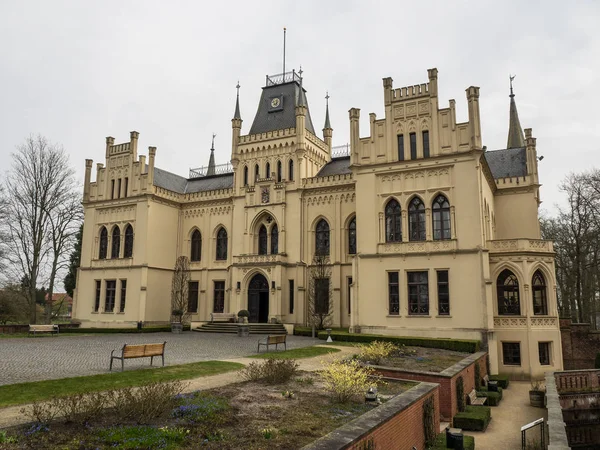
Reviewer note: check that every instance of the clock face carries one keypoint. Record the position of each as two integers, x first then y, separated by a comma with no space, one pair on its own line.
275,102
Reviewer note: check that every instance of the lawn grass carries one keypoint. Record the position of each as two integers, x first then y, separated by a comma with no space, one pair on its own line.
297,353
23,393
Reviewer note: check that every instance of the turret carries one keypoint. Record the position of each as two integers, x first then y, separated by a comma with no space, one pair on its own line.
211,160
301,118
151,157
354,134
327,130
88,177
236,127
515,132
474,117
532,158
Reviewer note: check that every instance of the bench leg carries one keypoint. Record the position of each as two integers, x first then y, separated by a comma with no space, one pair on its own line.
123,364
110,368
151,360
163,359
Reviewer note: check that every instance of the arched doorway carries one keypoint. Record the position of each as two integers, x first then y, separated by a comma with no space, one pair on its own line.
258,299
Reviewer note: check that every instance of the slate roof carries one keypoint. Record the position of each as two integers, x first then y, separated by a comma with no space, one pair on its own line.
265,121
176,183
337,166
510,162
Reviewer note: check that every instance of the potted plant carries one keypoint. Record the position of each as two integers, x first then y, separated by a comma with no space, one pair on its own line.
243,315
177,323
537,393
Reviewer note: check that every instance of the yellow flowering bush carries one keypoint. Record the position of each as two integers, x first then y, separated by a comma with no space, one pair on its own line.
347,380
375,351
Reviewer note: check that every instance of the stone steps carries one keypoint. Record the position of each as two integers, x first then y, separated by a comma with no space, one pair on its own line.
255,328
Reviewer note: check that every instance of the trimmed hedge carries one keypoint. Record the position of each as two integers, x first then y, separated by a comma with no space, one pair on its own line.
440,442
120,330
474,418
597,362
493,398
502,380
459,345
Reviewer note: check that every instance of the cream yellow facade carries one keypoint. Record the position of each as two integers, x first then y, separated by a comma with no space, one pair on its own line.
427,232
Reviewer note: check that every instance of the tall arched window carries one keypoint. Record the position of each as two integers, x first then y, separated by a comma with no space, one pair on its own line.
245,175
222,244
116,242
262,240
291,170
441,218
268,170
279,172
393,222
322,238
507,287
416,220
256,173
274,240
128,250
352,236
196,246
103,247
540,303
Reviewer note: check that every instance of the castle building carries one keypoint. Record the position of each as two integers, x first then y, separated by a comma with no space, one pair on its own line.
426,233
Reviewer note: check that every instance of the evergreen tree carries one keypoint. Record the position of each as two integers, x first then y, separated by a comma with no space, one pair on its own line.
74,260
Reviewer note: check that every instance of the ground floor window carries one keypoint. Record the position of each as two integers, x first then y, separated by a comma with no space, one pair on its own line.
511,353
111,291
418,293
123,295
97,297
544,351
193,297
443,293
291,283
219,297
393,293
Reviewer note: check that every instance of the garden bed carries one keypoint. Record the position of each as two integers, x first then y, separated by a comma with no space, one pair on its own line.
241,415
423,359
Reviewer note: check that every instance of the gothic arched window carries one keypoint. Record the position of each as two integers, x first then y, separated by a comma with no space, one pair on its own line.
393,222
221,244
116,242
540,304
103,243
245,175
507,288
322,238
268,170
291,170
352,236
416,220
274,240
262,240
441,218
196,246
128,250
256,173
279,172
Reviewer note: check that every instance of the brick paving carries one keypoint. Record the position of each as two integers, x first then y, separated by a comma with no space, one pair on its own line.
51,357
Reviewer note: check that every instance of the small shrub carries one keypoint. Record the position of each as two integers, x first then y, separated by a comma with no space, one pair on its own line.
306,380
243,313
538,386
123,438
146,402
6,439
268,433
474,418
40,412
460,394
271,370
440,442
502,380
347,379
375,351
81,408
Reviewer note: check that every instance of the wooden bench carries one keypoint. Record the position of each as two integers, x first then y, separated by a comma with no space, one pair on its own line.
139,351
273,340
220,317
52,329
476,401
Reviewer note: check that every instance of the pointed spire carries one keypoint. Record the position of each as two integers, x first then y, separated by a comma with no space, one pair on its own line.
237,114
327,124
301,99
211,161
515,132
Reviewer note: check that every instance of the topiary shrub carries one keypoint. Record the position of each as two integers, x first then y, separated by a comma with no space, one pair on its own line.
477,376
502,380
597,362
493,398
429,430
474,418
243,313
460,394
440,442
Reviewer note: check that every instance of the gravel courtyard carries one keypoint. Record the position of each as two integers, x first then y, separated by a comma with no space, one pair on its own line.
50,357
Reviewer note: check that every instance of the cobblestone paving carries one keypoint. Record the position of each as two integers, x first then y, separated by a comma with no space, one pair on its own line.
51,357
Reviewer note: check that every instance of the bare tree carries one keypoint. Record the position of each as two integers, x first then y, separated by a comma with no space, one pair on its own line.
320,304
179,290
3,230
38,186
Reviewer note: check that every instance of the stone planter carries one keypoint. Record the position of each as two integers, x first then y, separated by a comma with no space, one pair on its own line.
176,328
536,398
243,331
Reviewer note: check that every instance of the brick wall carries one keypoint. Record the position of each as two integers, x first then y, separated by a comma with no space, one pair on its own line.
446,380
580,345
397,424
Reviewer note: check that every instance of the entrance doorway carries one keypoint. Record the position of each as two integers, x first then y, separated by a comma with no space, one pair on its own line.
258,299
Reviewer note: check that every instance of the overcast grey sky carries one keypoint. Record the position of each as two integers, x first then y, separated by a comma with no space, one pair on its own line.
78,71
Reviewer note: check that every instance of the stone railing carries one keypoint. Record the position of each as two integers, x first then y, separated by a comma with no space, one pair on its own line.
259,259
577,380
107,263
522,322
418,247
520,246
